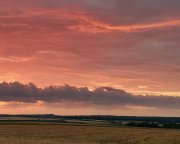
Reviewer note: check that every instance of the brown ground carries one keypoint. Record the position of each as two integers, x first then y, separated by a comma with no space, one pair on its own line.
66,134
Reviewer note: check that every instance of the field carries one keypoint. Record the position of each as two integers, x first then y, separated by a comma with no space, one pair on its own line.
48,133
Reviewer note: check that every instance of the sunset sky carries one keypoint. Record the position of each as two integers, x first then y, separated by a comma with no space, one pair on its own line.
81,57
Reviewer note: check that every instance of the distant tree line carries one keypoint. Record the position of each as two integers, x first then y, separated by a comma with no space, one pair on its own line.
133,121
154,125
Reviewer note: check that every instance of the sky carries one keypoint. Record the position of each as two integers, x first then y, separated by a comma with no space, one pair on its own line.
89,57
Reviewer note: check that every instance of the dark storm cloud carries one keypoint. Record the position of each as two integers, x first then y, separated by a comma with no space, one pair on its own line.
120,12
103,96
133,11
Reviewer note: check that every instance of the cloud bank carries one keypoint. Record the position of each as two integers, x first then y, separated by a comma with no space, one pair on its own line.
103,96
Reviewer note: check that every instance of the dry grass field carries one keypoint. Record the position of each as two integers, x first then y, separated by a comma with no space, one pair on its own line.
34,133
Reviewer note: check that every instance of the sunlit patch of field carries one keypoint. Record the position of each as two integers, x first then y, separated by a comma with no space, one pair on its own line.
68,134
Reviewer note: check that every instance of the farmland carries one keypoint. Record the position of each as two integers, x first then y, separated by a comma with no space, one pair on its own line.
57,133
